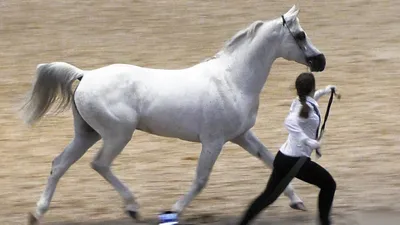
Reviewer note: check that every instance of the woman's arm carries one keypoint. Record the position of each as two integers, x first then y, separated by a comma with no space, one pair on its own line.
321,92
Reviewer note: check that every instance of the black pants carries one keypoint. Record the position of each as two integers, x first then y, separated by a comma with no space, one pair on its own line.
310,172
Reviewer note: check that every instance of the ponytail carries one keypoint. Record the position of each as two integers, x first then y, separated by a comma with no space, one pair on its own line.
305,84
305,109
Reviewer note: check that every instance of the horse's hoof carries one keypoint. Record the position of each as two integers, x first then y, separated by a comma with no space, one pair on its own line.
32,220
298,206
134,215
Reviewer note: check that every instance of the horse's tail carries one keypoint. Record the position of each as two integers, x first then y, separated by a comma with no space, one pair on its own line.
53,82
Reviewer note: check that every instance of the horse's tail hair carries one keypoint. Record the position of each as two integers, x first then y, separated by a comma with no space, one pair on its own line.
53,83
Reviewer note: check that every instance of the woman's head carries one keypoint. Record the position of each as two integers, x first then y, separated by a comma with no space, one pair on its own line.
305,86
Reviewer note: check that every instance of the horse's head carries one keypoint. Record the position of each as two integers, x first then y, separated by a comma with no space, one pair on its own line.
296,45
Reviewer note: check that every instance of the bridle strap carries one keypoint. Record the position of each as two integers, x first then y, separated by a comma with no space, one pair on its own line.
284,23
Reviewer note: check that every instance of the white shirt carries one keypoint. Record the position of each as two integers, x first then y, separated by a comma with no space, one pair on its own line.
300,129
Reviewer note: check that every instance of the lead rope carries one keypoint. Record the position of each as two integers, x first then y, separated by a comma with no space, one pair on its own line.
317,151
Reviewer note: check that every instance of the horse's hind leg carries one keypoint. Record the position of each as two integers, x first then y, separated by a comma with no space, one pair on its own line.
113,143
84,138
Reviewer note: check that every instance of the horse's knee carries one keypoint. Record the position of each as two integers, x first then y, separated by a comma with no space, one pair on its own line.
101,169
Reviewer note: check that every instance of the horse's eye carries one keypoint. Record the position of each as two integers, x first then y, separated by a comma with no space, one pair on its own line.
301,36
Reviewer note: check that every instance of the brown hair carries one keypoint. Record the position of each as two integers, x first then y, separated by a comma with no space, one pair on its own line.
305,84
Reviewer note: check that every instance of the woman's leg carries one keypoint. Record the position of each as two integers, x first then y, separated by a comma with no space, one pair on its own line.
276,184
314,174
264,199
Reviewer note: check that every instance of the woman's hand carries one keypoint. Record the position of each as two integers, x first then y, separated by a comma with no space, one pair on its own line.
330,88
333,88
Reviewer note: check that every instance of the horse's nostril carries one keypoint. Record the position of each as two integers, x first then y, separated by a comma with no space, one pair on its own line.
317,63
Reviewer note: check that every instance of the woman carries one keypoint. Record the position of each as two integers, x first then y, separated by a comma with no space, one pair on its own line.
302,124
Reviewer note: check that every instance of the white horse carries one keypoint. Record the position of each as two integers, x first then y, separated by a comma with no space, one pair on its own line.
213,102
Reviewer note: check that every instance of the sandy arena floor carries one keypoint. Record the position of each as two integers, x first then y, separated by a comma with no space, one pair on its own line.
360,38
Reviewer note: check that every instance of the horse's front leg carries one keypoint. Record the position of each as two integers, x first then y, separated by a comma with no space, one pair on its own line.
253,145
209,154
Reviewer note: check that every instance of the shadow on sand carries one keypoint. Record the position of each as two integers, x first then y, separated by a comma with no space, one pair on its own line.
208,219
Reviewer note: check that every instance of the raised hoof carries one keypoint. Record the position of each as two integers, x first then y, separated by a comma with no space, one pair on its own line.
298,206
134,215
32,220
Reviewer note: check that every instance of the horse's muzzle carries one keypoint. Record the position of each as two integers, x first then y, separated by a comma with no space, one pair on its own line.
316,63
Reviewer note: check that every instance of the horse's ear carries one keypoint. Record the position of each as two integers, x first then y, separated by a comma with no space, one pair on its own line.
291,15
291,10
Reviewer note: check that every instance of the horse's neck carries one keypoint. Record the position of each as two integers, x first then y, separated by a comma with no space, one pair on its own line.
250,65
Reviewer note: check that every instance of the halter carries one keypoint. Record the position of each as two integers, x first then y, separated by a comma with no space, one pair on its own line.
284,23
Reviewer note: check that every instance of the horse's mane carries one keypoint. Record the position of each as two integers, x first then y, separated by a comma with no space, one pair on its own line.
246,34
239,38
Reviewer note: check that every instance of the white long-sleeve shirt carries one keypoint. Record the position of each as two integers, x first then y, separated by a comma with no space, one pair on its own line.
301,129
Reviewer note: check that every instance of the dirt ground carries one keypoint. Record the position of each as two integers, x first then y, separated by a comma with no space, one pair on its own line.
360,39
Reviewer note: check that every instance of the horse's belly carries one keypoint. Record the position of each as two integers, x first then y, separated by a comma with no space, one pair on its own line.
169,127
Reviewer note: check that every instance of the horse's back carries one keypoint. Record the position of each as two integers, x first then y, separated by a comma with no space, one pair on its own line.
165,102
